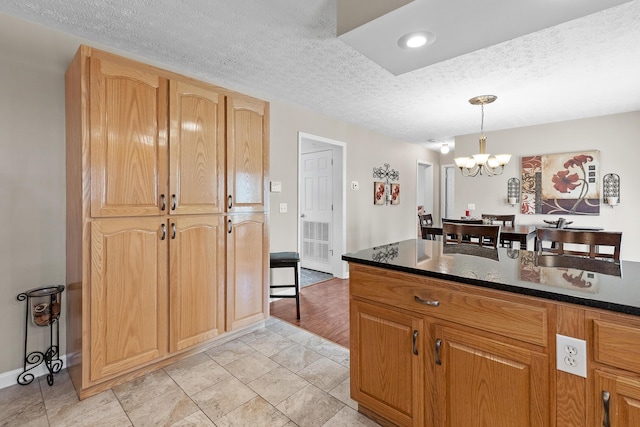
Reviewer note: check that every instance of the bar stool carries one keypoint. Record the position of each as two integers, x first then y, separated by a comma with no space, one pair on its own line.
287,260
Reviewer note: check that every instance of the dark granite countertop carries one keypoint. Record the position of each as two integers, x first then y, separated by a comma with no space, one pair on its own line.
593,283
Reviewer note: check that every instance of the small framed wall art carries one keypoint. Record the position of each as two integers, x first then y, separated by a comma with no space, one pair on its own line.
379,193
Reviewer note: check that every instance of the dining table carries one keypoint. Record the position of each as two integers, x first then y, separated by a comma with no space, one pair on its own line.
523,234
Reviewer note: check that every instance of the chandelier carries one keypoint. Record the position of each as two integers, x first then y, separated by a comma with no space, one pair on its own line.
482,163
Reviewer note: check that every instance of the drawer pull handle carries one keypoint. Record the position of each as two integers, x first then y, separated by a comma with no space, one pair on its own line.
173,226
174,202
229,227
605,403
415,342
163,202
164,232
438,345
426,302
230,201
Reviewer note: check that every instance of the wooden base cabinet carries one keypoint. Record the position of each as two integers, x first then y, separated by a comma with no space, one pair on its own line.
196,287
616,400
485,382
387,376
128,296
247,270
428,352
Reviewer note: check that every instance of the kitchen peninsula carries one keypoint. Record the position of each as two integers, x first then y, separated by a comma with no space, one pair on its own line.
451,335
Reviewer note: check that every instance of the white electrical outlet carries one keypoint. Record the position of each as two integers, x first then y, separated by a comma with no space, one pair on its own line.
571,355
283,208
471,206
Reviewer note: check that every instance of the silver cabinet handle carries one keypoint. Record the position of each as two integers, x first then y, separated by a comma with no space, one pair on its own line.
173,227
163,202
174,202
438,345
229,227
426,302
606,422
415,342
164,232
230,201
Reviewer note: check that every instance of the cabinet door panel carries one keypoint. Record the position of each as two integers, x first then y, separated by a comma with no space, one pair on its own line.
196,147
484,382
624,400
128,140
128,307
386,375
247,270
247,153
196,280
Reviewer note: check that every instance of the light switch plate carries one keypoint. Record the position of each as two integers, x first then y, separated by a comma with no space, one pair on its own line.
355,185
471,206
276,186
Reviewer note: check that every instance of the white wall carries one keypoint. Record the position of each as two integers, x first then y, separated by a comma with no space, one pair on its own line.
616,136
367,225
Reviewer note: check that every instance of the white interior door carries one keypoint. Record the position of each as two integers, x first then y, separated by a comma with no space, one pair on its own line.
316,210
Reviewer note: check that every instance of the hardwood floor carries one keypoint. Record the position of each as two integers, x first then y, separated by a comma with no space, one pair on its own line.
324,310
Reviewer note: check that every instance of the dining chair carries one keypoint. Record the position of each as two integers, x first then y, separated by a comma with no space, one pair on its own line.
426,226
486,235
506,220
593,240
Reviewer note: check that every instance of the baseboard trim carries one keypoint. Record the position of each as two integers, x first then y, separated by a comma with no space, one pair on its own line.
11,377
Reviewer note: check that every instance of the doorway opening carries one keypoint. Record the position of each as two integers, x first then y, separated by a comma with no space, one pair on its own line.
424,188
321,204
447,191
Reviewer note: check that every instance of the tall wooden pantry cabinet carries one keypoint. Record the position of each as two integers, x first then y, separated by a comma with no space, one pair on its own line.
167,239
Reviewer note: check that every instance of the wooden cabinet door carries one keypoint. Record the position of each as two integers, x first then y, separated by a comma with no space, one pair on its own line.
196,272
387,362
485,382
247,270
247,154
128,129
624,400
196,149
128,298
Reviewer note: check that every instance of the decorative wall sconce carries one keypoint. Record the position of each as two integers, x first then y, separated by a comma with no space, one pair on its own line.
611,189
513,191
385,192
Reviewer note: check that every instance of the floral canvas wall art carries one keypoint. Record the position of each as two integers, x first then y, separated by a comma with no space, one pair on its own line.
395,194
561,184
378,193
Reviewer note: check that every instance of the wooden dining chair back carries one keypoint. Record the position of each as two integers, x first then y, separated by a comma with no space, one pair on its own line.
475,234
505,220
582,243
426,220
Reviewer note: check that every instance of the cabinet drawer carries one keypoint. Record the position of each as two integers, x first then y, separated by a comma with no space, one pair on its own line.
512,317
616,344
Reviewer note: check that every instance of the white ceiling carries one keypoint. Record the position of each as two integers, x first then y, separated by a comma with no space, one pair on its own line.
287,50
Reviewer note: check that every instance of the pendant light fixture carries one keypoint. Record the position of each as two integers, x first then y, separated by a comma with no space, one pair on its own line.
482,163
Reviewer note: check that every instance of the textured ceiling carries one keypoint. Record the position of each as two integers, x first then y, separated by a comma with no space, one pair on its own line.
287,50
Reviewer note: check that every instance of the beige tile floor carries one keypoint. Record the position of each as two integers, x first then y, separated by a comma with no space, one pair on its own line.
280,375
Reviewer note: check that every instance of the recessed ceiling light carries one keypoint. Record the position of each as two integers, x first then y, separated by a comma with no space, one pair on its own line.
416,39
